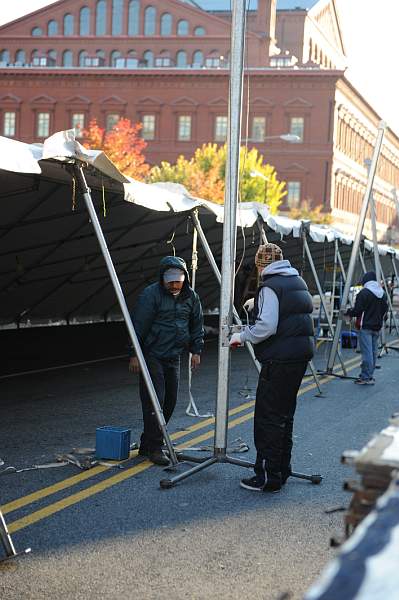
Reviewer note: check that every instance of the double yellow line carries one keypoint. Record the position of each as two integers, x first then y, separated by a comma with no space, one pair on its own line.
47,511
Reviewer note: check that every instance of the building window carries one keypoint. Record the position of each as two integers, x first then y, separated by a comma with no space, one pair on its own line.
149,20
43,124
220,129
199,31
9,124
101,17
148,58
198,59
78,124
67,58
182,27
297,127
111,120
84,21
51,58
166,24
132,62
134,17
181,59
258,129
4,56
293,193
148,130
83,55
117,17
68,25
212,61
184,128
163,60
20,57
52,28
37,31
115,56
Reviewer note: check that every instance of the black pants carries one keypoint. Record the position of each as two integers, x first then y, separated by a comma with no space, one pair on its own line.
274,417
165,375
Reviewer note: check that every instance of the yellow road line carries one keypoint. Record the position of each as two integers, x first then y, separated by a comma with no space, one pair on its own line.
76,479
111,481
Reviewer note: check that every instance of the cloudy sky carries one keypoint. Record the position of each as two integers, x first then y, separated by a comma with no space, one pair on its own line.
370,36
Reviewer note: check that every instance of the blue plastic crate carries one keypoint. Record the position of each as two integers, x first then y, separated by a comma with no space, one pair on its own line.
348,339
112,443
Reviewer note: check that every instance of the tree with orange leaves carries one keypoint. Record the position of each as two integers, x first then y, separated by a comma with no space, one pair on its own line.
122,144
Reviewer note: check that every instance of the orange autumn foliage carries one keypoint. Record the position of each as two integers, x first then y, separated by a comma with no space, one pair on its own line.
122,144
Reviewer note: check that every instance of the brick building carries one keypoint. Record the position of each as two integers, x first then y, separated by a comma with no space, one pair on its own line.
165,63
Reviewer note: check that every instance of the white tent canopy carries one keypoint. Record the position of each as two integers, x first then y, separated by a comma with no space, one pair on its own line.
51,266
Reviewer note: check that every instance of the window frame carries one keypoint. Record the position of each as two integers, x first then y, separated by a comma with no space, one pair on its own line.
217,119
4,115
181,116
154,129
291,183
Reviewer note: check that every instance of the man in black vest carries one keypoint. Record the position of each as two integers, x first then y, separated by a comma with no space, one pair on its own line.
283,341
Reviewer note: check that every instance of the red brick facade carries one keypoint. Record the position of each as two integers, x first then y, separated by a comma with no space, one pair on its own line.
165,63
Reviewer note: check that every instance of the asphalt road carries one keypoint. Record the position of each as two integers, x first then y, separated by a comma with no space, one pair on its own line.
111,533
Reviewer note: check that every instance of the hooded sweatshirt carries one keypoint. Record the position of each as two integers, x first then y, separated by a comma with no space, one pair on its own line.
268,305
371,306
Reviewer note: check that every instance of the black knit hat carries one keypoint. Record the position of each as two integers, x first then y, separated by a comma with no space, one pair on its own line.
369,276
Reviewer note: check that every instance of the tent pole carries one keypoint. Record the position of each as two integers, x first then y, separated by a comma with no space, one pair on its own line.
356,244
319,289
192,410
78,169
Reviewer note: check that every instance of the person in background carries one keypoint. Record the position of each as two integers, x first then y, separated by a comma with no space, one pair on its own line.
283,340
168,319
370,309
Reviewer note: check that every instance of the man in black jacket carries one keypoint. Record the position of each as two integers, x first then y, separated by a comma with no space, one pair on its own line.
283,343
370,308
168,319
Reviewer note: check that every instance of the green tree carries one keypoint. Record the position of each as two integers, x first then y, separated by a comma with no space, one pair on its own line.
203,176
313,213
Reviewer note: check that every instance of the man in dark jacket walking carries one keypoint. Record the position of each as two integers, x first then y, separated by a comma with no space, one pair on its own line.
283,341
370,308
168,319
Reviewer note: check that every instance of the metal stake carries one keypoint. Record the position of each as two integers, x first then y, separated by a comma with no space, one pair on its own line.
78,168
356,244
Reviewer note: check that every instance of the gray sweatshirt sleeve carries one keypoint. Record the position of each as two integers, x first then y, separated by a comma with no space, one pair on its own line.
266,321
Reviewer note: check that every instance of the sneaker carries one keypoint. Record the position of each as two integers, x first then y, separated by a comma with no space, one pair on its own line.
156,456
257,484
360,381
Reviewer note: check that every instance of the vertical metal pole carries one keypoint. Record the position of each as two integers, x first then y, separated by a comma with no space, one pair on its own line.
356,244
238,24
361,258
122,303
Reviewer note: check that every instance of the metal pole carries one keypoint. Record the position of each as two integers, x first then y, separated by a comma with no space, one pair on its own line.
361,258
6,538
321,293
122,303
356,244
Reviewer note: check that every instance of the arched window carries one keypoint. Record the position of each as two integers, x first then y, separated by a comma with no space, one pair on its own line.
166,24
134,17
148,58
115,55
181,59
68,25
20,57
5,56
82,58
101,17
101,55
199,31
37,31
150,15
67,58
84,21
35,54
117,17
198,59
52,28
182,28
51,58
132,62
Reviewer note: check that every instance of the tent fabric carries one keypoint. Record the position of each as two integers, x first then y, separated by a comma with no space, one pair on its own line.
51,267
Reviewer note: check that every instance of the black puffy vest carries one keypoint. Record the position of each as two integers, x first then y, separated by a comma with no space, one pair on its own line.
294,338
